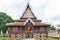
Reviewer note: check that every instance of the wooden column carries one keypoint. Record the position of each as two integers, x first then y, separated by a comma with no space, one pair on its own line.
36,33
33,30
36,30
46,34
20,30
25,32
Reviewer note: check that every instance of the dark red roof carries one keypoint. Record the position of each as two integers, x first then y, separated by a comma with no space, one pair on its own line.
36,23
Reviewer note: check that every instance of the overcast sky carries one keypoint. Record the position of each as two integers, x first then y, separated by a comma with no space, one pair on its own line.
46,10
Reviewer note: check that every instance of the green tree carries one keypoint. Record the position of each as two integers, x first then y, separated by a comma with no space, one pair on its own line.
4,18
52,28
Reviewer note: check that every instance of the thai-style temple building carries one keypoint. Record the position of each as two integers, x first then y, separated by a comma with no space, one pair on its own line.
27,27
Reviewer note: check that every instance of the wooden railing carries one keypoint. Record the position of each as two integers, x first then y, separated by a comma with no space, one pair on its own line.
34,31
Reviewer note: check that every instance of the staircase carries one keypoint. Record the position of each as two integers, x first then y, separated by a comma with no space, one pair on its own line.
29,39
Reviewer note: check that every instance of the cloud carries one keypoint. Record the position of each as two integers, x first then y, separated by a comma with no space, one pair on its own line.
38,7
43,9
10,2
58,22
55,18
52,9
13,8
37,3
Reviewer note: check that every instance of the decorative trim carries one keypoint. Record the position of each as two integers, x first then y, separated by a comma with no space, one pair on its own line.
25,12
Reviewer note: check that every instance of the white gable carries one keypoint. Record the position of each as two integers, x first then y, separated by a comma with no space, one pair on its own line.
28,14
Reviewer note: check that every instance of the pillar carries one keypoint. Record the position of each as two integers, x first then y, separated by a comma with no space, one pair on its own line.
38,36
24,36
12,37
42,36
46,36
19,36
35,36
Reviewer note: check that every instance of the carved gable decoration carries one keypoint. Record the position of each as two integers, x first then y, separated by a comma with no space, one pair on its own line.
28,14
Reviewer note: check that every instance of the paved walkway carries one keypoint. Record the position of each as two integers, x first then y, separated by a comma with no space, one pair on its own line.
29,39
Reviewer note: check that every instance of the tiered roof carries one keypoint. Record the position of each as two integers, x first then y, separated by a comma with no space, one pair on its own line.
26,15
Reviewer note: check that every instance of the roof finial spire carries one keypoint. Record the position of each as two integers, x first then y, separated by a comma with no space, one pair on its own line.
28,12
28,2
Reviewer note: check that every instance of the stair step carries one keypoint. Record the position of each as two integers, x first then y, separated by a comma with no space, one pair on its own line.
29,39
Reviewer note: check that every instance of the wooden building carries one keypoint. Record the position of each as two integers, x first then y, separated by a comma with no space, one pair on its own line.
27,27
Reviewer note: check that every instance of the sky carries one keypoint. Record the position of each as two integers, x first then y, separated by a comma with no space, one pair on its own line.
46,10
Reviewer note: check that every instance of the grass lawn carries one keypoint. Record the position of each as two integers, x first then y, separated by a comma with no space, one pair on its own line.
54,38
7,38
4,38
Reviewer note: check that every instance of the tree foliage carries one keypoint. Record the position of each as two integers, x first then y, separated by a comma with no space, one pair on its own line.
4,18
52,28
